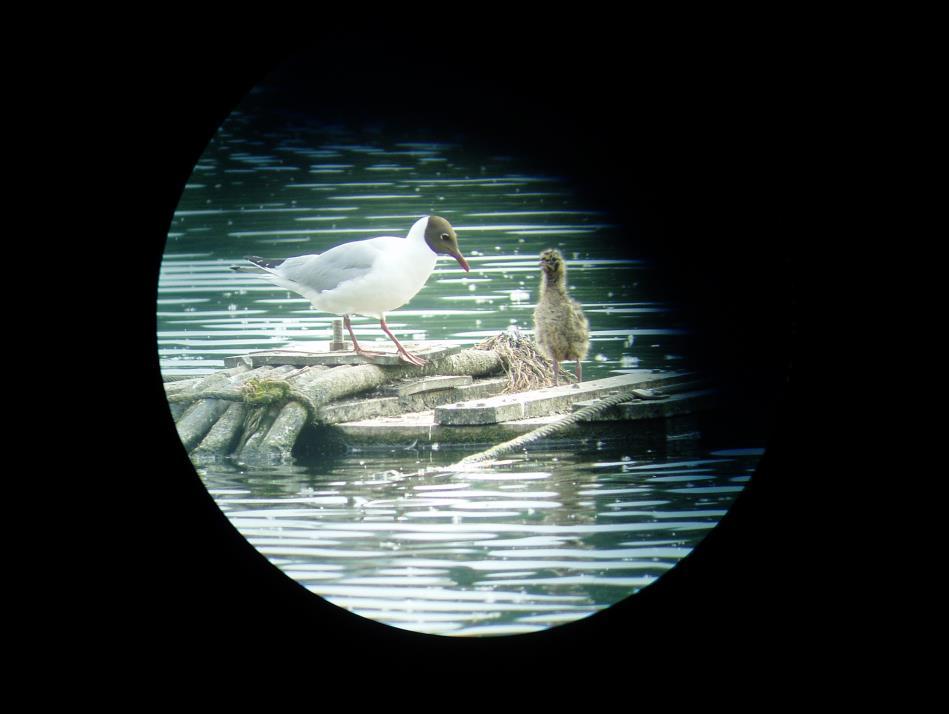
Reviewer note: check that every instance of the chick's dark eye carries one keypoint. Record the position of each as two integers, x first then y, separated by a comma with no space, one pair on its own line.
445,236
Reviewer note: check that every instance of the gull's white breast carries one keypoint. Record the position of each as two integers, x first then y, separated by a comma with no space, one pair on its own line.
400,269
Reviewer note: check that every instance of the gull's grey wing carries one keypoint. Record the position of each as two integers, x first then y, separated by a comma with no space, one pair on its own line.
328,270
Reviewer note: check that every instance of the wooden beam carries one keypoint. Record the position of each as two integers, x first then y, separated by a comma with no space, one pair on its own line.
361,409
550,400
401,429
653,407
426,384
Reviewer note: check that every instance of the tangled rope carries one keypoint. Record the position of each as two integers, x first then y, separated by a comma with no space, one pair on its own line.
524,364
585,413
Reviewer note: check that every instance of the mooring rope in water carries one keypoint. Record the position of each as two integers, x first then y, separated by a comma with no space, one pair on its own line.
585,413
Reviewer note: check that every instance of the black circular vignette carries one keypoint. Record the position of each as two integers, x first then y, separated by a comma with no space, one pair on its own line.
667,150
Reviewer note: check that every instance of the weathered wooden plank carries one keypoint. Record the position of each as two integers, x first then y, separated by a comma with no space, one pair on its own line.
249,451
180,378
404,428
198,421
478,389
207,381
225,432
427,384
177,410
648,393
270,417
541,402
346,381
654,407
360,409
229,385
422,425
310,353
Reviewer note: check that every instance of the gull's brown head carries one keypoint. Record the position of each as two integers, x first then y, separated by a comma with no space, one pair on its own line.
441,238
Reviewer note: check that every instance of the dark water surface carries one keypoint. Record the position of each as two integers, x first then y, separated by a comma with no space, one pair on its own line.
544,537
530,542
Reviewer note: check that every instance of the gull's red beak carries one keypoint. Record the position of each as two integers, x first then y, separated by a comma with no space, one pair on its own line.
461,260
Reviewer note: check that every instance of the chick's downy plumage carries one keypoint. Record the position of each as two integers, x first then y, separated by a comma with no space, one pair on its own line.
560,328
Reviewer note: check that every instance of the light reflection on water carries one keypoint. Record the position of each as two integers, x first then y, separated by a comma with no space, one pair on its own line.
544,538
536,540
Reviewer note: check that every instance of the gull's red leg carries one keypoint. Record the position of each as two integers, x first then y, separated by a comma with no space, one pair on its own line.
359,350
412,359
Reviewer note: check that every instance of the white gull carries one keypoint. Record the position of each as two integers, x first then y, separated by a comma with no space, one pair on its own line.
366,277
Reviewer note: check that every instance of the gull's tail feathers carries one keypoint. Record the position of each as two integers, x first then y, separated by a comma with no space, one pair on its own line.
261,265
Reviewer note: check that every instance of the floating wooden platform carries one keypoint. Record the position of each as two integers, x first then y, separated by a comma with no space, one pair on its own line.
456,398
